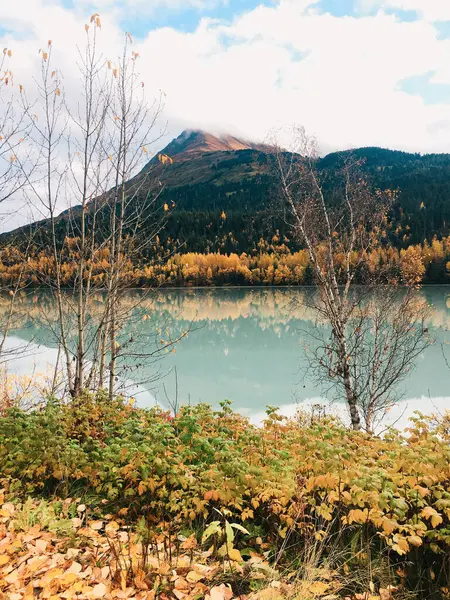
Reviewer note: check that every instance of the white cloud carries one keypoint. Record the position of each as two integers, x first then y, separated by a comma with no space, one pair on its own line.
430,10
345,88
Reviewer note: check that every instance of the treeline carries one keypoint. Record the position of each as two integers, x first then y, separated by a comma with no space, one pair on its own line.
227,201
273,264
247,194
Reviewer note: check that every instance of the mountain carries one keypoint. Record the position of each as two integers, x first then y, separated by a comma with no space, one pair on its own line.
203,182
222,191
200,157
193,141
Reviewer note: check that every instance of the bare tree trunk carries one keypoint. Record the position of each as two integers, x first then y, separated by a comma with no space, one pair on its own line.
352,400
373,344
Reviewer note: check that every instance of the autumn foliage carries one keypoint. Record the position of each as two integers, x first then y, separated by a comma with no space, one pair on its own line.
289,484
275,264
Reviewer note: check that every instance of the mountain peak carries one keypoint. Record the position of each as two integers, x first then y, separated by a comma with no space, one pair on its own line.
197,141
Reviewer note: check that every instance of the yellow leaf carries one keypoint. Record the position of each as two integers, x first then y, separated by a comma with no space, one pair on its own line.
436,520
112,527
194,577
431,514
318,588
164,159
389,525
44,55
4,558
400,545
234,554
68,579
415,540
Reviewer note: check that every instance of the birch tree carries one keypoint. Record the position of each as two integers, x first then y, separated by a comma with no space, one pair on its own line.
91,154
376,325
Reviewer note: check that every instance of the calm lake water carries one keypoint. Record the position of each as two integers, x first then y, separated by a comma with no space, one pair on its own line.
246,345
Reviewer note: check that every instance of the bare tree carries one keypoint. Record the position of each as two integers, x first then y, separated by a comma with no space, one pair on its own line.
17,166
373,340
134,221
112,216
385,334
14,131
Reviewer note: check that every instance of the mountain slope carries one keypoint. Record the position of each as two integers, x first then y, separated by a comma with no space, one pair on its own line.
204,183
198,142
200,157
223,193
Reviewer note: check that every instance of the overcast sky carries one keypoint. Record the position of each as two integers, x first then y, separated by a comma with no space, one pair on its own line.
354,72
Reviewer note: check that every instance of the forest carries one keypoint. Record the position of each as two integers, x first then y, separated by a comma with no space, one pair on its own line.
220,204
274,264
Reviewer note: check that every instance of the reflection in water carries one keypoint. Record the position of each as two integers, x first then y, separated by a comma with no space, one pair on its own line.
245,345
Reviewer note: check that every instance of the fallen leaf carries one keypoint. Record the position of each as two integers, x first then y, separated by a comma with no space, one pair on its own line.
194,576
318,588
100,590
75,567
41,545
220,592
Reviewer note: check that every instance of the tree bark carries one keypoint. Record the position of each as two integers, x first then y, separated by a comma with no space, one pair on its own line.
349,391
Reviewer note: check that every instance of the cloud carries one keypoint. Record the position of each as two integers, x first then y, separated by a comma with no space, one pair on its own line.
275,65
340,77
429,10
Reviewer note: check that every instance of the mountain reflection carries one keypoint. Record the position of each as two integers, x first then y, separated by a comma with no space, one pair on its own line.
244,344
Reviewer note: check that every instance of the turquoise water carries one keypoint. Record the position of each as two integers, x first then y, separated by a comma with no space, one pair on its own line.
246,345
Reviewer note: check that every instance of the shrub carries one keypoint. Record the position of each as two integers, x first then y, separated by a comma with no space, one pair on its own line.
289,480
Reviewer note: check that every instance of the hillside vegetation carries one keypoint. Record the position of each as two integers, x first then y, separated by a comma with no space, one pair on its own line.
301,507
220,196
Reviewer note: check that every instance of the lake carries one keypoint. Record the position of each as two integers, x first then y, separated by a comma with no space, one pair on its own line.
246,345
